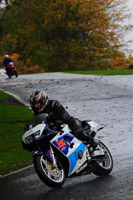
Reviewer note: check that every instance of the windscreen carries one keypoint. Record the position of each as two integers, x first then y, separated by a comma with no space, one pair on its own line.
38,119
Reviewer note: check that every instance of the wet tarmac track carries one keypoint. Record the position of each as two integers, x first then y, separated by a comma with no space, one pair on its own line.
107,100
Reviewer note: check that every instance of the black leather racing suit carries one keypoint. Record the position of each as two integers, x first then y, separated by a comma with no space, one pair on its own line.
6,62
58,112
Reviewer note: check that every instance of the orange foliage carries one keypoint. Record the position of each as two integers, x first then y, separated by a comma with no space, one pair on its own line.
61,35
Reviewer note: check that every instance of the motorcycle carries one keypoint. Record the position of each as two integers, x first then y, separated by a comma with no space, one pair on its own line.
11,70
58,155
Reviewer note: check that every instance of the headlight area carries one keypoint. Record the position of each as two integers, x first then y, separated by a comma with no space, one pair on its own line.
37,134
31,138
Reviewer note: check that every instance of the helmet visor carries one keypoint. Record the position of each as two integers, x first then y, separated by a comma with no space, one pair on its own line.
37,105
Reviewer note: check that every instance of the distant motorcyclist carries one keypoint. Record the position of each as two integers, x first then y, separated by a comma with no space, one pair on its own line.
9,66
6,62
40,103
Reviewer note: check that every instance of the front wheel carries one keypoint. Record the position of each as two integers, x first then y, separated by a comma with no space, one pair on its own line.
9,76
51,176
104,166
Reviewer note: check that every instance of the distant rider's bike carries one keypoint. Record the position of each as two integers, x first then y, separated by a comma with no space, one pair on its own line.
11,70
57,154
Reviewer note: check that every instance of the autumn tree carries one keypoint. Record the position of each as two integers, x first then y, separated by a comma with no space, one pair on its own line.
64,34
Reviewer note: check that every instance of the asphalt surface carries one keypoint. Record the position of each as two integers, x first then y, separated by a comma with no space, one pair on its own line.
107,100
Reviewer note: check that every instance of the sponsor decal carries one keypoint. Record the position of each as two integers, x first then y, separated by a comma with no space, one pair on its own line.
81,168
63,149
50,153
60,144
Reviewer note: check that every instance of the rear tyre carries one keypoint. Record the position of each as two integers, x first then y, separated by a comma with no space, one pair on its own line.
53,177
105,165
16,73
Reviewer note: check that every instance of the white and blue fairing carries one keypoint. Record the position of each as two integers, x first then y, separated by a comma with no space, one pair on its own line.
62,143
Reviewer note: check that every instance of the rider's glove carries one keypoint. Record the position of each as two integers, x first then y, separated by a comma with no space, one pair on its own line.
87,135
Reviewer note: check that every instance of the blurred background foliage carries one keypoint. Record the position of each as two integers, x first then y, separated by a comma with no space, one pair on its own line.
60,35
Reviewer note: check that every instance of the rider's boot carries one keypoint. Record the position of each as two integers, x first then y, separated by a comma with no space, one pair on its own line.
94,143
95,149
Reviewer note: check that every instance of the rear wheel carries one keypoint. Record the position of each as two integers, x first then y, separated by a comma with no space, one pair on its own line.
104,165
9,72
51,176
16,73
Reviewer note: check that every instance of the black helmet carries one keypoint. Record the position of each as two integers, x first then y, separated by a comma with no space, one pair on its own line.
40,98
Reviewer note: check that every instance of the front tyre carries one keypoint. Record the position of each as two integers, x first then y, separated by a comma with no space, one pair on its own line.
53,177
103,166
9,76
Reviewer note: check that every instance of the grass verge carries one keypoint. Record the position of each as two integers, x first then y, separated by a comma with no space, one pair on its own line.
104,72
13,118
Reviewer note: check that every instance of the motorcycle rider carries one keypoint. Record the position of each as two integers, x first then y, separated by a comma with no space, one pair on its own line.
40,103
7,60
9,66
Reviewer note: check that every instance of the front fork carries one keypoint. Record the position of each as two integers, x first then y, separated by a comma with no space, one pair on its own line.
48,153
53,156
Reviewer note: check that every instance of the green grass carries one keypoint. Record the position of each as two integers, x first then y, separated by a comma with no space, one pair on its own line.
12,122
3,95
104,72
14,113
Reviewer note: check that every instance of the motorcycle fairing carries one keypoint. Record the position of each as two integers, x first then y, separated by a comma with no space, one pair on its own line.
62,143
75,161
30,132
